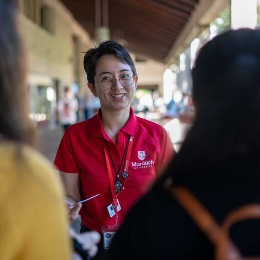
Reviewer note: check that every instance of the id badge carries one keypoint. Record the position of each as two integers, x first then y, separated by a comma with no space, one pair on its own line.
108,233
111,209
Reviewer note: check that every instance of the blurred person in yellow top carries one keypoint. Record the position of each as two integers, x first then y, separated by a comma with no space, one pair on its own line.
33,222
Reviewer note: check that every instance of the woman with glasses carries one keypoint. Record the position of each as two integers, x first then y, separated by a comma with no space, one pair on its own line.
114,154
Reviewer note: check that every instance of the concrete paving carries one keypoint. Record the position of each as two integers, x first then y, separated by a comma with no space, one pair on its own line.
48,141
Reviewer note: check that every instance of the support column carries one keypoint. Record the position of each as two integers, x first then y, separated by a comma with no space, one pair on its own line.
243,14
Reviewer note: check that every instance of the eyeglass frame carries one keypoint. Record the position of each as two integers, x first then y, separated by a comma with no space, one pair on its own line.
113,81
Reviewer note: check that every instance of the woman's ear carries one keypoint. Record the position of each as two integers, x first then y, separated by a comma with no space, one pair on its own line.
136,80
92,89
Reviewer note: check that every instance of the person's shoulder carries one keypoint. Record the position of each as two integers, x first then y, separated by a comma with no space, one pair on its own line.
150,125
152,202
39,166
30,168
147,122
21,153
81,129
79,126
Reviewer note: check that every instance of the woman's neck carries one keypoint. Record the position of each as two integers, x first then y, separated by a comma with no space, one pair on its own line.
113,122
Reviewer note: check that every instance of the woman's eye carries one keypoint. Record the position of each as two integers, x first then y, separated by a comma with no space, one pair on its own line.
107,78
125,76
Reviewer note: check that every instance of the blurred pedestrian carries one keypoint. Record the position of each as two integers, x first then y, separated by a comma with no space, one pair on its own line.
68,107
89,105
219,161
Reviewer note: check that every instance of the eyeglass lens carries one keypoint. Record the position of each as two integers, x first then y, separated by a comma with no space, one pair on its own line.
124,80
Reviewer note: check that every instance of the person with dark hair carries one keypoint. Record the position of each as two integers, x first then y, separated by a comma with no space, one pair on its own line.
33,217
219,161
114,154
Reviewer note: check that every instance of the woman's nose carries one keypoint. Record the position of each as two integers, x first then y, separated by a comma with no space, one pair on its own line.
117,83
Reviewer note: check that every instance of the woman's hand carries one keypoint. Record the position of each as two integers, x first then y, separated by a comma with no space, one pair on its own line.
74,211
73,208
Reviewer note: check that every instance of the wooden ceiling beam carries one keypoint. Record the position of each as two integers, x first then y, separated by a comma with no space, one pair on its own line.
150,27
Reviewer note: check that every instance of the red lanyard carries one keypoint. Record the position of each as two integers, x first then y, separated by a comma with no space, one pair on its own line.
124,174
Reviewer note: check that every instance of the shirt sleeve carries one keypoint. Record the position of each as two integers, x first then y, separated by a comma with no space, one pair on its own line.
65,157
167,152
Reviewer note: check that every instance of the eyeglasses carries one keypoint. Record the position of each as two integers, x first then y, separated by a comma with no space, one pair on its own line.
106,82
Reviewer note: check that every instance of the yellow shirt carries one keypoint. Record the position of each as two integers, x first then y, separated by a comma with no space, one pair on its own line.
33,219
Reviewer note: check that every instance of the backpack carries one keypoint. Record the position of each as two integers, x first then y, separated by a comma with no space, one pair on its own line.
217,234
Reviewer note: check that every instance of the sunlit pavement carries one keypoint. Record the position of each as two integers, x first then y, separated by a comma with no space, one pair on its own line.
177,128
177,131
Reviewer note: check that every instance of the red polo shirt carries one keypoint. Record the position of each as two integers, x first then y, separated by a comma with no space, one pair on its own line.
82,151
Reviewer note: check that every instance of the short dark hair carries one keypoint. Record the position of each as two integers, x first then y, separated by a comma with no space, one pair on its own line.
107,47
224,68
226,94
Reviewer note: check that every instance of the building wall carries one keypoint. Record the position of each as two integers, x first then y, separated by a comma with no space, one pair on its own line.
54,59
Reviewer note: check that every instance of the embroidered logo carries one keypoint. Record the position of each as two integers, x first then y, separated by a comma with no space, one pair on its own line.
141,155
144,163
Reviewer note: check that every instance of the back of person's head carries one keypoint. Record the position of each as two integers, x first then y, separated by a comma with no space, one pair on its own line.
14,117
225,71
92,56
226,93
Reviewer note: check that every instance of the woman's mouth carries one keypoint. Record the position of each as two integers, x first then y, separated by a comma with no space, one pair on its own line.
121,95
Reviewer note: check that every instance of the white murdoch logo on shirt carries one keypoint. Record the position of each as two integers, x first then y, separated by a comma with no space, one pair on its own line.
141,155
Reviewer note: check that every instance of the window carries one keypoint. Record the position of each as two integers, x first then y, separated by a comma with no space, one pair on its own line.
30,9
47,18
40,13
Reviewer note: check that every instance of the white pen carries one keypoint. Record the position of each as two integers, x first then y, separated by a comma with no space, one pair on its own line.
87,199
82,201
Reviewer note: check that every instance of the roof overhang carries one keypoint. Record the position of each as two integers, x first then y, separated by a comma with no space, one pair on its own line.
151,29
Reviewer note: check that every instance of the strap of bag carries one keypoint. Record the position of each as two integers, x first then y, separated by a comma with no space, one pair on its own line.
198,213
225,246
249,211
218,235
